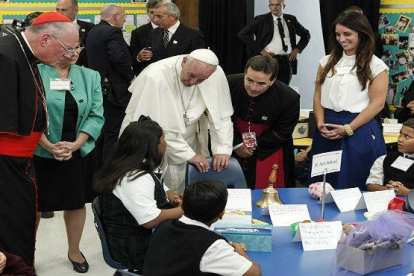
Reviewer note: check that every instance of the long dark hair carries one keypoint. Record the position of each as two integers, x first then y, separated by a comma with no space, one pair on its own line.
135,154
364,52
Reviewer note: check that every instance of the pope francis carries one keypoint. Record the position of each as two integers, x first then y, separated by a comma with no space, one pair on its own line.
187,95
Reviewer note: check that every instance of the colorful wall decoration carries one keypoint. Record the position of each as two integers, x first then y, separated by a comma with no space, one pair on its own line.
396,27
88,9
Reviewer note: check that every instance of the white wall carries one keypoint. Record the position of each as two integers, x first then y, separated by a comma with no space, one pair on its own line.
308,14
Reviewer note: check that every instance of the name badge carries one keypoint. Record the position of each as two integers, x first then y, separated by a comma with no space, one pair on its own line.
249,139
402,163
60,84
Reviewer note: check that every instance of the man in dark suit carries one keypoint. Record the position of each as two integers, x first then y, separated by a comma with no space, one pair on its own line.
274,35
171,38
140,37
108,53
70,9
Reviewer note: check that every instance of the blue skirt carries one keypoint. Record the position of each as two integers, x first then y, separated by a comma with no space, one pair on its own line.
359,151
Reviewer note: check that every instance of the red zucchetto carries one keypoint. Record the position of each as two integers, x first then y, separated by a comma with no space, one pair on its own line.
49,17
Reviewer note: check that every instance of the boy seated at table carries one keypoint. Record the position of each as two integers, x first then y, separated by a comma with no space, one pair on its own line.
395,171
187,246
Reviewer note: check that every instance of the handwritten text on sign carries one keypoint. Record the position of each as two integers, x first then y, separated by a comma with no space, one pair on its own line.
285,215
329,161
321,235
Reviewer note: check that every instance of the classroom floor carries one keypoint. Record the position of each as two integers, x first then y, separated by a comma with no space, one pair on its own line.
52,249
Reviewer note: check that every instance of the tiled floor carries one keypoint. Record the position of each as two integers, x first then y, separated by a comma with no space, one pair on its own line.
51,253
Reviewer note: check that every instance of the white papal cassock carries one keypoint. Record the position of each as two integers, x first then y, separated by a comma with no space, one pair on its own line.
159,93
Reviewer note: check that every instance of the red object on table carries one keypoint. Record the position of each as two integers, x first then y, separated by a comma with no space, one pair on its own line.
396,204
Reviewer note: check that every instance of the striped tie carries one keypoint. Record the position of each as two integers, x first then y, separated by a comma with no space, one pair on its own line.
166,38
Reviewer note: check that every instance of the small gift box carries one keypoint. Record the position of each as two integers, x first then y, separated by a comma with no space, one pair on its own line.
366,261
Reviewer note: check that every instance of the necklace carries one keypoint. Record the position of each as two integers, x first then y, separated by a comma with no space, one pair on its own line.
39,86
186,117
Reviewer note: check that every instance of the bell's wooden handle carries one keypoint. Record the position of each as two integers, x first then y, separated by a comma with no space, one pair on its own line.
273,174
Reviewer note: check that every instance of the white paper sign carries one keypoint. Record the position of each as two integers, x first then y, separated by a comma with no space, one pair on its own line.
238,209
319,236
239,199
402,163
347,199
285,215
378,201
331,161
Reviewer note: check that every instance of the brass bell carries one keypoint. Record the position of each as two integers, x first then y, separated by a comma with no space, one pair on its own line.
270,196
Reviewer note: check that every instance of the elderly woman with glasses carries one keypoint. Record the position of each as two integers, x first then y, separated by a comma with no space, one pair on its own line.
64,160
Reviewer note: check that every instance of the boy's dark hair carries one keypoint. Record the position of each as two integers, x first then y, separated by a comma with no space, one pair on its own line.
204,200
409,123
267,65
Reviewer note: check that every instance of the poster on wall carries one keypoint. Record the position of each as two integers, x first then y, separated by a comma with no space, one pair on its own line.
397,35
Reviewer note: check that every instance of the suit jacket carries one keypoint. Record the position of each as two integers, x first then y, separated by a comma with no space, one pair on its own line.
263,27
140,38
184,41
109,54
84,28
86,90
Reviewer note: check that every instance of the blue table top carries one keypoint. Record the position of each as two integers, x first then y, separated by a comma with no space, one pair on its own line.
289,259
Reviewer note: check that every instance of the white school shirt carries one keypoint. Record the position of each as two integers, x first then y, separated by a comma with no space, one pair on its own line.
342,91
138,197
376,174
220,258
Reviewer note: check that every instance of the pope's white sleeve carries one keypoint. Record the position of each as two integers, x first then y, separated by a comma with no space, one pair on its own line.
222,139
177,148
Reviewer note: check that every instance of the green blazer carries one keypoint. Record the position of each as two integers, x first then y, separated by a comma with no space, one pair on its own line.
86,90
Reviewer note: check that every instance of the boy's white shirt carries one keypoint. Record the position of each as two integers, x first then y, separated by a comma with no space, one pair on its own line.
220,258
376,174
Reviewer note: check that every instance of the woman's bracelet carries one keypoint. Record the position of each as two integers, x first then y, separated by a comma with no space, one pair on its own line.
348,130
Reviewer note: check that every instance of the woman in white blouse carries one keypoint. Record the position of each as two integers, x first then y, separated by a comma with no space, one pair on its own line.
351,86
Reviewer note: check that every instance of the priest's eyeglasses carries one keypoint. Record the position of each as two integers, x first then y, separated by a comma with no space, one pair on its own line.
257,84
72,51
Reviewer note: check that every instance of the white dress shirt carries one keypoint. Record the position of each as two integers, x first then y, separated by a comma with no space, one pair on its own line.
275,46
220,258
173,29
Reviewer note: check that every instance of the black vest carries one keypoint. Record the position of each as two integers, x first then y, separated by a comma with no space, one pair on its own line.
391,173
176,249
127,240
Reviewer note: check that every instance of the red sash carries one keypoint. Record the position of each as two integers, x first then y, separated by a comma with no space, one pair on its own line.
264,167
19,146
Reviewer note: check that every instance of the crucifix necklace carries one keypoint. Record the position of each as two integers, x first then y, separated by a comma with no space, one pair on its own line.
186,117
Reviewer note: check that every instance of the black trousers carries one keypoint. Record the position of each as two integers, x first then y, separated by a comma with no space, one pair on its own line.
17,206
114,115
285,70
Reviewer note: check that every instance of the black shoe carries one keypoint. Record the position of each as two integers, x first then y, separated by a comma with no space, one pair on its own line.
80,267
48,214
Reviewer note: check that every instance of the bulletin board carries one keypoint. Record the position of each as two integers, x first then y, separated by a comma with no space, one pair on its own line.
396,27
89,10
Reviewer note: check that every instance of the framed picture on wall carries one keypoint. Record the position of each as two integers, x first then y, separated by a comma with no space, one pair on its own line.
402,23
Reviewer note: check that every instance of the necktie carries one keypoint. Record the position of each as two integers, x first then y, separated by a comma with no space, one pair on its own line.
166,38
282,33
